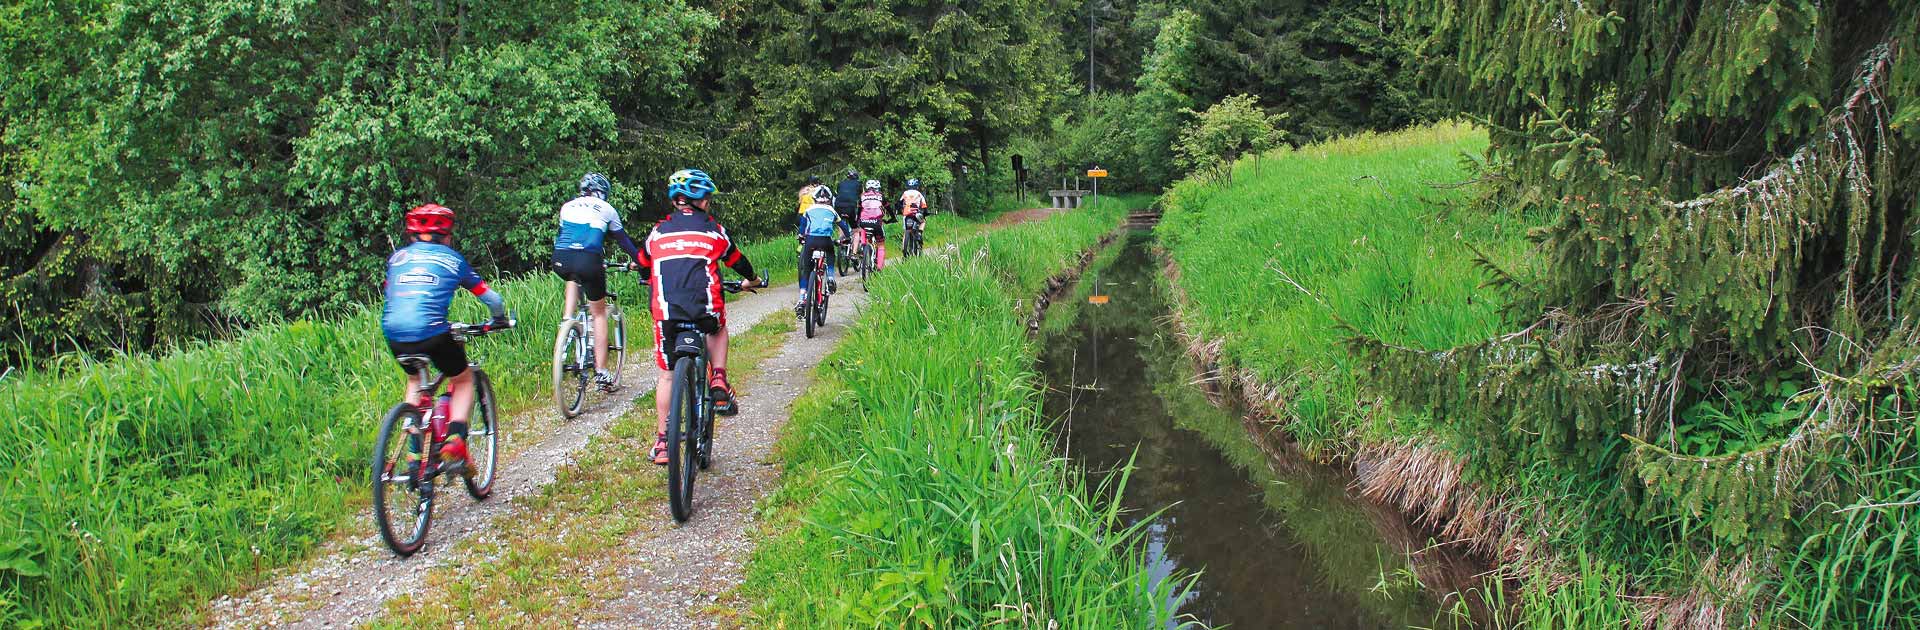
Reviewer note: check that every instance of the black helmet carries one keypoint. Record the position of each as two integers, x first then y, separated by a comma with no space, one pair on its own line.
595,184
813,180
853,174
913,182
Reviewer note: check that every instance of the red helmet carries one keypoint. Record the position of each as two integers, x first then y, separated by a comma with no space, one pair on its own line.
432,218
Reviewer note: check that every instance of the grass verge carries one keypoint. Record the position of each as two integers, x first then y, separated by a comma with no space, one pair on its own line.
919,483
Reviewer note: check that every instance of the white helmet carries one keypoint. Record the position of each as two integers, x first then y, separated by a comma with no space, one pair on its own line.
873,184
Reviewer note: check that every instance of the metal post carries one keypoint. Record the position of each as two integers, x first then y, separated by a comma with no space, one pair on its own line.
1090,8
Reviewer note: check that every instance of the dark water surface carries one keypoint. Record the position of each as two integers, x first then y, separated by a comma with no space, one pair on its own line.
1272,550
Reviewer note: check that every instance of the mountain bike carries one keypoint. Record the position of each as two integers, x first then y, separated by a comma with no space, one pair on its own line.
865,256
573,362
690,414
813,309
403,495
911,239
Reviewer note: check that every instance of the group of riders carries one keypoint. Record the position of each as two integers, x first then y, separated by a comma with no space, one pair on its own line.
825,211
681,258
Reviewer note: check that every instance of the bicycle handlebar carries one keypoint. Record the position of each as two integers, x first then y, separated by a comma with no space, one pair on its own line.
621,267
480,329
731,286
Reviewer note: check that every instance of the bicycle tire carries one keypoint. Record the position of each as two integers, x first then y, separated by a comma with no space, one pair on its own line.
483,438
705,415
680,414
866,265
616,342
569,389
420,494
812,299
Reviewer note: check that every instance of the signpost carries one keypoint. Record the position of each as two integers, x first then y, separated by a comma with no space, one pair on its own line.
1096,173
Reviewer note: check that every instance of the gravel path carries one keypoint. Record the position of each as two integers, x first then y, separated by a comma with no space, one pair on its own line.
353,575
677,577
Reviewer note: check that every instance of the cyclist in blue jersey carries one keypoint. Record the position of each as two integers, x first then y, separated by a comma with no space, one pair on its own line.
816,226
586,223
421,280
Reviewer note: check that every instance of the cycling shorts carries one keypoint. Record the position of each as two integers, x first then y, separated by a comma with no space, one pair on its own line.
448,356
585,268
707,325
876,231
812,244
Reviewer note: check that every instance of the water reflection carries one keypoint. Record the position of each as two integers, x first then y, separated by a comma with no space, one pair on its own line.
1272,551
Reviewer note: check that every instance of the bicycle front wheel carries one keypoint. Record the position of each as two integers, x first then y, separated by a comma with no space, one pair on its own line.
682,437
402,502
616,342
570,375
483,438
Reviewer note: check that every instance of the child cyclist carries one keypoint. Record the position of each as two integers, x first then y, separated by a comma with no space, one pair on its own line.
421,280
873,211
682,258
913,205
817,227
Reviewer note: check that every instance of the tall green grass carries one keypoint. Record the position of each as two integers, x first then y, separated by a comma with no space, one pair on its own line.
134,489
920,485
1349,232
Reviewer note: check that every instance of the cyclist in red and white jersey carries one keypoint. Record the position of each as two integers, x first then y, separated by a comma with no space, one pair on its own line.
682,258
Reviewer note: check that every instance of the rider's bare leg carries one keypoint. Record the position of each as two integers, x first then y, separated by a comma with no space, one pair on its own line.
599,310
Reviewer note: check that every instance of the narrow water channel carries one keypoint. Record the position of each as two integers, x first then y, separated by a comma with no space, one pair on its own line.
1272,550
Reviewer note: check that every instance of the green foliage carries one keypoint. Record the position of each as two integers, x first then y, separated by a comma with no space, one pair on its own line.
881,528
1216,138
259,155
1718,307
910,149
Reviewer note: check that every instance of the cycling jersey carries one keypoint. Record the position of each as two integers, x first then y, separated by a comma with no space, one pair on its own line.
819,220
421,280
806,197
912,202
682,258
847,200
872,206
585,223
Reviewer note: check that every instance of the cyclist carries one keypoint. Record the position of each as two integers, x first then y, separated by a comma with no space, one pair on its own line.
682,259
806,193
816,234
421,280
873,212
846,199
586,223
914,206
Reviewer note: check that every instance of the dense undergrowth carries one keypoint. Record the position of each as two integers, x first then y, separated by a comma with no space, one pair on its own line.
133,489
920,485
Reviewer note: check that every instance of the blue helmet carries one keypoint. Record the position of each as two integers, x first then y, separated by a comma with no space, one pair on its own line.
595,184
691,183
913,182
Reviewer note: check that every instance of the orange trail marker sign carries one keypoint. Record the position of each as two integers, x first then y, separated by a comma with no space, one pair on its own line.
1096,299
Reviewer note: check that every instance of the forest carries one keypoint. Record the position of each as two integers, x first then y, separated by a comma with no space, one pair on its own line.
182,170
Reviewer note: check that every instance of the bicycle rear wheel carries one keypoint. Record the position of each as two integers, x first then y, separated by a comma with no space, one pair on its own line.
570,374
402,504
483,438
813,299
866,265
681,438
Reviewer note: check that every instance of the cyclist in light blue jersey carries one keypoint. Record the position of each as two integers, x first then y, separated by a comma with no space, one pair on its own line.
586,223
816,226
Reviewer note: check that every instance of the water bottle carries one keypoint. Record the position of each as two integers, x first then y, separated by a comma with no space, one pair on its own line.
441,406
